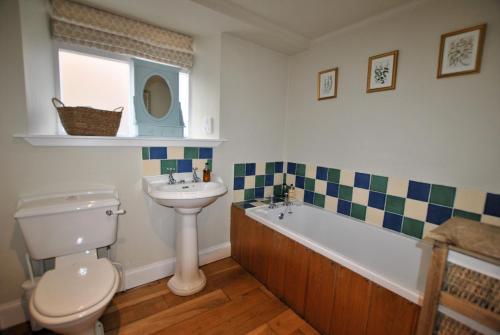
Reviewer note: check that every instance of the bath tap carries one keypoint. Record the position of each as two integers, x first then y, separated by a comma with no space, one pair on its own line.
272,204
171,179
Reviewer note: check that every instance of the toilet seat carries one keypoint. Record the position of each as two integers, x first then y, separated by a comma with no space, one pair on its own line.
75,290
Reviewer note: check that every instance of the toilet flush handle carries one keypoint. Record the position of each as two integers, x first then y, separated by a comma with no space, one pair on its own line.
109,212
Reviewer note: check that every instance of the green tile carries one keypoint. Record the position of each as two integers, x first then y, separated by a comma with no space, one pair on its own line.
334,176
345,192
190,153
166,164
277,190
270,168
259,181
467,215
358,212
210,164
413,227
379,184
239,170
300,170
309,184
442,195
319,200
145,153
395,204
249,194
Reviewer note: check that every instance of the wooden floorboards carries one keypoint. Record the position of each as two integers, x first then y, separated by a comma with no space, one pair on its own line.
233,302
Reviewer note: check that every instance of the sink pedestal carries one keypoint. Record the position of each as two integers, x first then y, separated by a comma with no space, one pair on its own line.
188,278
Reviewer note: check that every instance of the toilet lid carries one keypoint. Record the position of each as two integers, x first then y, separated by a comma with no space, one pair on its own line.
74,288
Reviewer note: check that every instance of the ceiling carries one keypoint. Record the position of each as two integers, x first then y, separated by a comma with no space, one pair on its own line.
287,26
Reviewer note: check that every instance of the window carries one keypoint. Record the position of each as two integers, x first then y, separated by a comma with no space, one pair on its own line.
105,82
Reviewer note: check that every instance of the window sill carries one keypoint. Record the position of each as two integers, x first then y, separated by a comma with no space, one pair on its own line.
105,141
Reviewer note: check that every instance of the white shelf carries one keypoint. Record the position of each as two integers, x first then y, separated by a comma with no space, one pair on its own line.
105,141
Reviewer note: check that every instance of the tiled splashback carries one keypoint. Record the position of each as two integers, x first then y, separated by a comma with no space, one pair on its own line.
158,160
406,206
257,180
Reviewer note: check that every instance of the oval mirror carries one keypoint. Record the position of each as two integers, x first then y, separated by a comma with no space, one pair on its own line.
157,97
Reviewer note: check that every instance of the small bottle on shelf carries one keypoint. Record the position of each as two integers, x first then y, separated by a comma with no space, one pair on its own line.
206,173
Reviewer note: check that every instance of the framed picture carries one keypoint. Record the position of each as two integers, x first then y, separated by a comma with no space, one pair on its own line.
327,83
382,70
460,51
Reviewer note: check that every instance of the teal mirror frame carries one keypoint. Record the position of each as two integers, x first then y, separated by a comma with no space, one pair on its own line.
170,125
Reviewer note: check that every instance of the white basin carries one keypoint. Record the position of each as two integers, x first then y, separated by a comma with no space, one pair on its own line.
187,199
185,195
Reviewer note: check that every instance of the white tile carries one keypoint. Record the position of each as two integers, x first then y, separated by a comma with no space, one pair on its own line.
311,171
260,168
238,195
374,216
493,220
470,200
290,179
200,164
397,186
175,152
278,178
415,209
347,178
151,167
268,191
320,186
299,194
249,182
360,196
331,203
427,228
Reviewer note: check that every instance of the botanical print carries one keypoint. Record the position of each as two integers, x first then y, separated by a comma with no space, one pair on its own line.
382,72
327,84
460,51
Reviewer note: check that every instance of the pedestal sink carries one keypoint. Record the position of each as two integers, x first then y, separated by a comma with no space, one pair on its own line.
187,199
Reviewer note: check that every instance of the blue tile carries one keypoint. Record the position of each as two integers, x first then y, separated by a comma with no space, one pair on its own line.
269,181
309,197
278,167
392,221
376,200
239,183
291,167
362,180
207,153
299,181
184,165
259,192
321,173
332,189
344,207
418,191
250,169
157,153
438,214
492,205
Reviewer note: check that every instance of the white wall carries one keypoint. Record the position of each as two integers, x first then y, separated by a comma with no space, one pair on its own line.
435,130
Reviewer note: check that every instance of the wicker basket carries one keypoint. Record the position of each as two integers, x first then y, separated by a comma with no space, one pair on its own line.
448,326
88,121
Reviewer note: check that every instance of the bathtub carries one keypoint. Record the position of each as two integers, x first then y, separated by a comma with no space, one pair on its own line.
392,260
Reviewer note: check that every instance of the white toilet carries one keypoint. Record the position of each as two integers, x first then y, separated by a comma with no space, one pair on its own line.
70,227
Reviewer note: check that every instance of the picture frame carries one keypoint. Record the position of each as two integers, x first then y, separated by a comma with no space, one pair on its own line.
460,51
382,72
327,83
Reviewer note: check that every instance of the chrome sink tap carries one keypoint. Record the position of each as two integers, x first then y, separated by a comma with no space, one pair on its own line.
171,179
195,176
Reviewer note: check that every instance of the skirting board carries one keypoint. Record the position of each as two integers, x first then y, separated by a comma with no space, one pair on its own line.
15,312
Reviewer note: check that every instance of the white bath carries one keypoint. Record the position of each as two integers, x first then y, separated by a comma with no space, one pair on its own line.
390,259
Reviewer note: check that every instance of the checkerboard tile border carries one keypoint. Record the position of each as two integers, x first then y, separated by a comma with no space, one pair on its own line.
257,180
405,206
159,160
